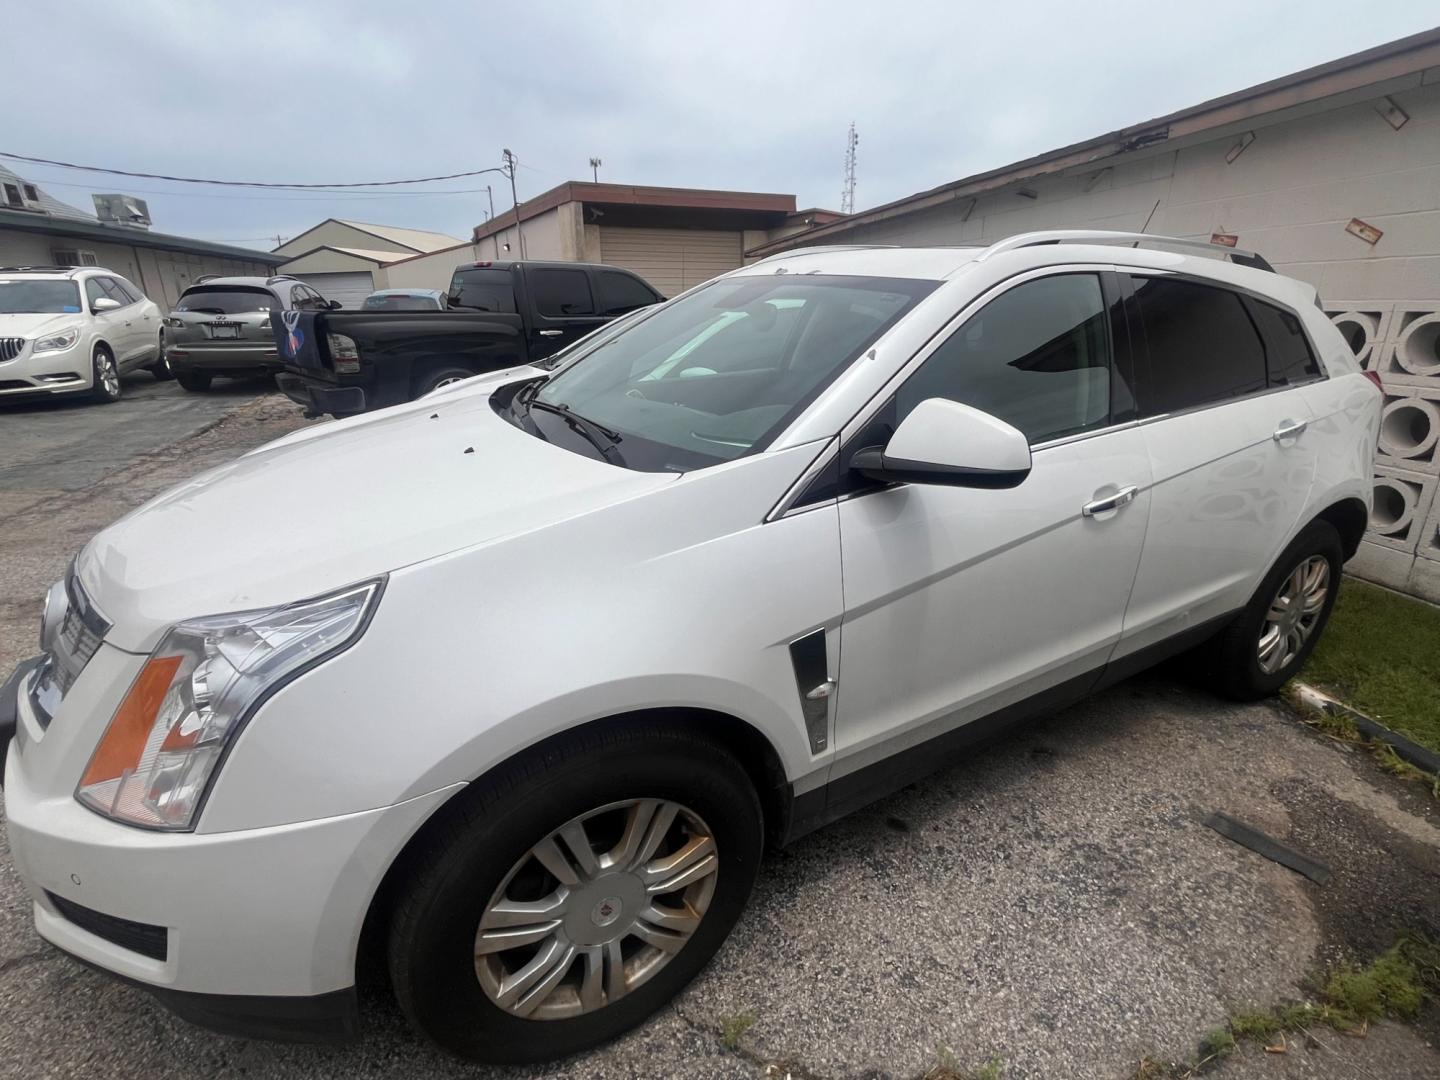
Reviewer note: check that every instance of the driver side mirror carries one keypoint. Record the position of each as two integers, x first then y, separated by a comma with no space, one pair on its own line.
944,442
333,305
104,303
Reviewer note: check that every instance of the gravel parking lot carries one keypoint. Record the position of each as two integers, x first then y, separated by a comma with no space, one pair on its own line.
1055,903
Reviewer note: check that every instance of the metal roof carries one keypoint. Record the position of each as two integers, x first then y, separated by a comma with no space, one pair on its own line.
51,204
422,240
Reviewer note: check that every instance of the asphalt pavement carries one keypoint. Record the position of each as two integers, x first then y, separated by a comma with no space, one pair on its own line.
1056,902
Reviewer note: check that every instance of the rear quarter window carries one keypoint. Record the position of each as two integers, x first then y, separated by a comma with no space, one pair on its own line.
1289,359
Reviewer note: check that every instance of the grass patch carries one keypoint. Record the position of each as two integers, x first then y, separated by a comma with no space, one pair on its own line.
1379,655
733,1027
948,1068
1350,998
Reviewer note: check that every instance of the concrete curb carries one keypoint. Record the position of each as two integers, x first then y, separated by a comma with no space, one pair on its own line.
1419,756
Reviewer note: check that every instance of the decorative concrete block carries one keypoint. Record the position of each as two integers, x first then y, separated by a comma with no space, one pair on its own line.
1411,354
1410,428
1403,499
1424,580
1364,327
1427,544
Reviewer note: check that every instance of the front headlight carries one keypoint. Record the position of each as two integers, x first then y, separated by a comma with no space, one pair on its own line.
167,738
65,339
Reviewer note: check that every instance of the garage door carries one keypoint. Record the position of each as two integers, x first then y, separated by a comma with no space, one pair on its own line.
671,259
350,289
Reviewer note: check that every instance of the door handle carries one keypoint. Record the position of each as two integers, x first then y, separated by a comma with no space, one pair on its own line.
1121,498
1288,429
551,333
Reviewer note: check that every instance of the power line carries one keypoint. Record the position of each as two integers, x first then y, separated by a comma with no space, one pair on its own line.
319,197
240,183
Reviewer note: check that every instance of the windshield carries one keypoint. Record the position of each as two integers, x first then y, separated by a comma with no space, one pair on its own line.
38,297
228,300
720,372
400,303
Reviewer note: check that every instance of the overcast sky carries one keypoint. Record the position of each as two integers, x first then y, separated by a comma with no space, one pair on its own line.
726,95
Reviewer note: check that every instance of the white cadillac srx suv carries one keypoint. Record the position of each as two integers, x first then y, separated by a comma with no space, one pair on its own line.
520,678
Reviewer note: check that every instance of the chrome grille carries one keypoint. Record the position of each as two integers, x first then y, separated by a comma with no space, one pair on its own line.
70,638
10,347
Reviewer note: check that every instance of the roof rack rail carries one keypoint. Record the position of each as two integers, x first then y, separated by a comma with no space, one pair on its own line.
277,278
814,249
1240,256
47,269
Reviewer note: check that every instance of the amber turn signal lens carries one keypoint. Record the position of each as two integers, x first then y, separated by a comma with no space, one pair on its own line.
130,728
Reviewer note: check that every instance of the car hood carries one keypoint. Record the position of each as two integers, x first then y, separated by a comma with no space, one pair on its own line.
30,326
339,503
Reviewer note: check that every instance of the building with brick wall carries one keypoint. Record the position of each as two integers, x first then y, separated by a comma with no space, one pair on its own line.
1332,173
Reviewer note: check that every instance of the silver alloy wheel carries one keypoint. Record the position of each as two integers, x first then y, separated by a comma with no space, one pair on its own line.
109,376
448,382
596,908
1293,614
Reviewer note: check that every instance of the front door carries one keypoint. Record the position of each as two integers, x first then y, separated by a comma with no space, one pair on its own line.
1227,440
114,325
961,602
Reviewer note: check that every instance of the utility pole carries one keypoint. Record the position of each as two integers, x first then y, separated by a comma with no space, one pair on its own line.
491,196
510,163
595,164
847,193
279,240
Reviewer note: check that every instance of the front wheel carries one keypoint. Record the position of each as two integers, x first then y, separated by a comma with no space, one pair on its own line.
105,376
1268,642
568,898
434,380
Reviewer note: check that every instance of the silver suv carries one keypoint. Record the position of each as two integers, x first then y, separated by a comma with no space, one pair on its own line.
221,326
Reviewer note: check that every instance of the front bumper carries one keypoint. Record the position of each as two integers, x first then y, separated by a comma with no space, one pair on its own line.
67,370
260,926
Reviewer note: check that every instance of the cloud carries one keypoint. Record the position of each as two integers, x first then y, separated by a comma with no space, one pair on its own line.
746,94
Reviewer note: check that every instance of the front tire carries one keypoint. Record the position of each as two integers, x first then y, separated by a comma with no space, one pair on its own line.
1268,642
105,376
564,899
193,380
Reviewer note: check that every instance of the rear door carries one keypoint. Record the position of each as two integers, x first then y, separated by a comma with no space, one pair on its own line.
1231,459
561,305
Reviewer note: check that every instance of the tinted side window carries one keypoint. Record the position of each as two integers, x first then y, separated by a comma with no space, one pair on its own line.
620,293
94,290
116,292
561,292
1288,358
1203,347
1038,357
482,289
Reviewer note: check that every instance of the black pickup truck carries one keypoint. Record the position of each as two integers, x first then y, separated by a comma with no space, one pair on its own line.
498,315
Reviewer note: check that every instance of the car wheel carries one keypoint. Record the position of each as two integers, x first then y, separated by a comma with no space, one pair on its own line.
1271,639
161,367
193,380
566,899
105,376
434,380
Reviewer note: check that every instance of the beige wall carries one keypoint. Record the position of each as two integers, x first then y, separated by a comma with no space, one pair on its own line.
1289,195
327,262
335,234
431,271
545,238
162,275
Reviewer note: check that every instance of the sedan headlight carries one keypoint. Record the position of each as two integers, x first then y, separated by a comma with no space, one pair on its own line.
166,740
59,342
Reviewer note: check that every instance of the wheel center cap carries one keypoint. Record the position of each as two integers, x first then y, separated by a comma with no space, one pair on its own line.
607,911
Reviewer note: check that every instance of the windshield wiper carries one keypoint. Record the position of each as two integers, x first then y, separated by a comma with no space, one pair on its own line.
597,435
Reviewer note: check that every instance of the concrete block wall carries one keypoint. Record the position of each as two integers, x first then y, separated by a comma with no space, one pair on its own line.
1288,194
